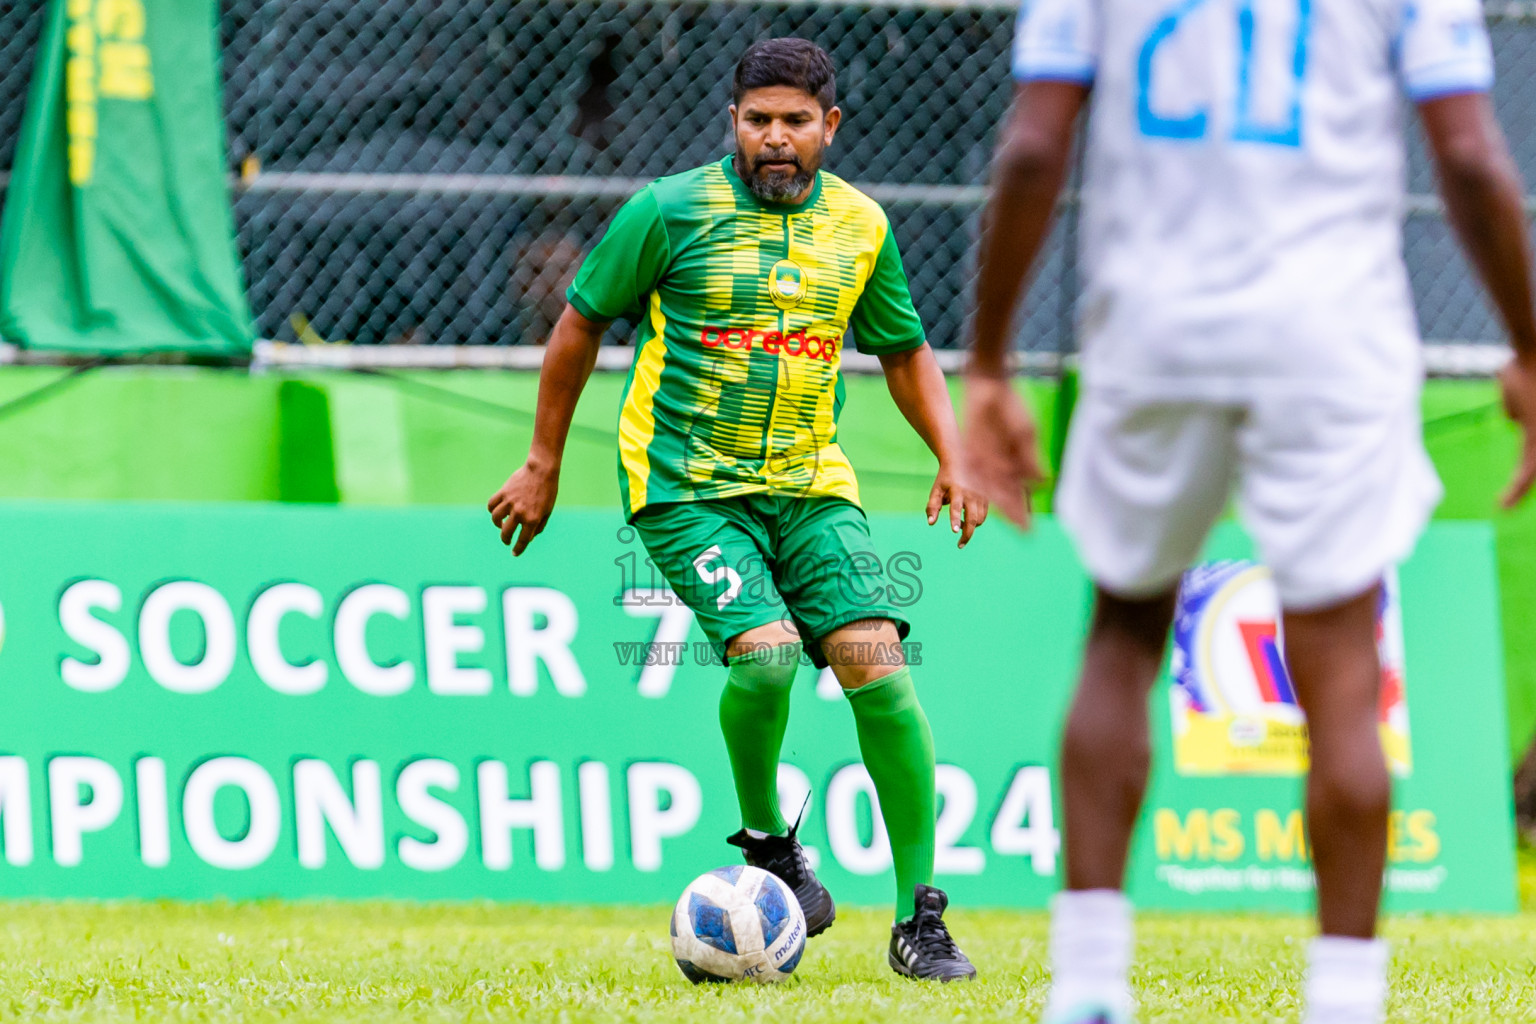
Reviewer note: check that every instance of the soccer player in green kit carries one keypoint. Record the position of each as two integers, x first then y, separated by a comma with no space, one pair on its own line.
744,277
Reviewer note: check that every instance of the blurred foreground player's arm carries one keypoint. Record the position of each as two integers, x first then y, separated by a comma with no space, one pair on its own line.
1484,198
623,267
1002,448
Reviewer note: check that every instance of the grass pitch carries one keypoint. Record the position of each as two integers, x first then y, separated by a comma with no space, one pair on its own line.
329,961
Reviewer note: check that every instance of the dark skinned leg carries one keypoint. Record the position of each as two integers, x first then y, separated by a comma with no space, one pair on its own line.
1106,748
1332,658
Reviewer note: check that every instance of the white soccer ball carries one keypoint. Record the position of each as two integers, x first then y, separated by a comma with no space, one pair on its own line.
737,923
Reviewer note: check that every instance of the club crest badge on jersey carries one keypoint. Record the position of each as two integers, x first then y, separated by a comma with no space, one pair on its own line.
787,284
1233,706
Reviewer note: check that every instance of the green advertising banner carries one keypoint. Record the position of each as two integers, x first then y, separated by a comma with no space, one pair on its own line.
262,700
118,235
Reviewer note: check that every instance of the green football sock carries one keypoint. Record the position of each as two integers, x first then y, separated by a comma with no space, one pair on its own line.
898,752
754,708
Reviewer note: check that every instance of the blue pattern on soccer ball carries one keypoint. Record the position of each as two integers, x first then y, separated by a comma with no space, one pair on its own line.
773,909
711,924
731,873
789,965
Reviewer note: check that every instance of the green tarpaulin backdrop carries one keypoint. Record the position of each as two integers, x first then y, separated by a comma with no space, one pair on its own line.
283,701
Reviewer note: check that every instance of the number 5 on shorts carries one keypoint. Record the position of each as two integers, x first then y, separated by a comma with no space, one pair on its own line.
713,576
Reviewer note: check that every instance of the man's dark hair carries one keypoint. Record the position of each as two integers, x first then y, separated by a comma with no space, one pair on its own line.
797,63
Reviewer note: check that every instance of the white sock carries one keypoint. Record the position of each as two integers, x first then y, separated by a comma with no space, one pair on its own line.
1346,981
1091,940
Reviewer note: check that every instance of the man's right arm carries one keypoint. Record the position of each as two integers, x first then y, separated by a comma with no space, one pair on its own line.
613,282
528,497
1484,199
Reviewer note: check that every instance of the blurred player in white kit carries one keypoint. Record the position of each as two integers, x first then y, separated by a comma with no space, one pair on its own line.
1246,328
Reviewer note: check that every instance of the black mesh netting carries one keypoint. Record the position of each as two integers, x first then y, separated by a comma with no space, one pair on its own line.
432,170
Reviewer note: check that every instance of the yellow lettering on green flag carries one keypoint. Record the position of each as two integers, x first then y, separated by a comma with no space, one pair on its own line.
118,235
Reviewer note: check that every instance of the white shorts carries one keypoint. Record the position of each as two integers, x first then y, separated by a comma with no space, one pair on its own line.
1333,491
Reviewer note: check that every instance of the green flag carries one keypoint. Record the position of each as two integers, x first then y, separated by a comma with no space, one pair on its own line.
117,233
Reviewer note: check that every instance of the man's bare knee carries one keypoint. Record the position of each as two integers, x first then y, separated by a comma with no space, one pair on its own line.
861,652
1333,661
1125,646
1353,796
762,638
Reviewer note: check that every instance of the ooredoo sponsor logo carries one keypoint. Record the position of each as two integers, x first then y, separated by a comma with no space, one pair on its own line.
795,343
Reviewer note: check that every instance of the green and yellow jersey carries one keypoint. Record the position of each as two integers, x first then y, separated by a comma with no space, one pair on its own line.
743,309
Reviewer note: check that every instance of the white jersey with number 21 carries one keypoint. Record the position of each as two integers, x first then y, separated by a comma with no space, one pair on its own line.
1245,184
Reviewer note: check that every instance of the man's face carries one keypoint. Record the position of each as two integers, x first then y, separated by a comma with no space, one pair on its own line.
781,132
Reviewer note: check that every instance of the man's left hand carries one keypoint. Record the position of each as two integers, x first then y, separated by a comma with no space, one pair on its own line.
967,506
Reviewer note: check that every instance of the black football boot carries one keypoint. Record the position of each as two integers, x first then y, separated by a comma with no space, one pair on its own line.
783,857
922,947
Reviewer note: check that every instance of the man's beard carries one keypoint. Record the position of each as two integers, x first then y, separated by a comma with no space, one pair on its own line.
776,186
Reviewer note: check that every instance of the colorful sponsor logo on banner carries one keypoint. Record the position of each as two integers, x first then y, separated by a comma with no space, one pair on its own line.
1234,708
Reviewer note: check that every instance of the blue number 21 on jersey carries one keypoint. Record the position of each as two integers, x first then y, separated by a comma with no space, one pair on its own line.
1246,127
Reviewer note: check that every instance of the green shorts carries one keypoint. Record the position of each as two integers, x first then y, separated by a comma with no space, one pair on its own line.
758,558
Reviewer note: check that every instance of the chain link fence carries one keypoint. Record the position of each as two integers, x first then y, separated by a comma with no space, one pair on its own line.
431,171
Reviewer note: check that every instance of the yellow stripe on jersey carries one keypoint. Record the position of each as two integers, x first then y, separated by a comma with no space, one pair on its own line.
855,230
720,202
637,422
